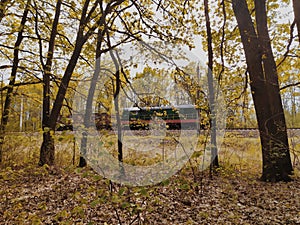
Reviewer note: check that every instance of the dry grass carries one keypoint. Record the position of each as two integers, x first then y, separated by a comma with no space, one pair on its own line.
65,194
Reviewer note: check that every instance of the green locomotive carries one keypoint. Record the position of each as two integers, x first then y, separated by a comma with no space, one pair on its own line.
172,117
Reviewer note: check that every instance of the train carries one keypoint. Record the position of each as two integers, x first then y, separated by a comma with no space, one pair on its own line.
170,117
145,118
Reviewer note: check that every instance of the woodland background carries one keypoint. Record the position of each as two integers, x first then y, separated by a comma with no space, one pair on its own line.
251,49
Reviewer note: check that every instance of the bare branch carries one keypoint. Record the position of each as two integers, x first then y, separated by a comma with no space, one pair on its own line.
290,85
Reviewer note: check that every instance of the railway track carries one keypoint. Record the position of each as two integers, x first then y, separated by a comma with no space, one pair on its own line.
243,132
238,132
254,132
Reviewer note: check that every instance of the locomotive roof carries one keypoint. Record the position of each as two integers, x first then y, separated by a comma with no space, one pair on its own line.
188,106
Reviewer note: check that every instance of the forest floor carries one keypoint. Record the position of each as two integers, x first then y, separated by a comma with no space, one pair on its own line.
50,195
65,194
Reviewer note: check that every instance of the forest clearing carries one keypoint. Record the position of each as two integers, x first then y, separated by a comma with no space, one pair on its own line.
65,194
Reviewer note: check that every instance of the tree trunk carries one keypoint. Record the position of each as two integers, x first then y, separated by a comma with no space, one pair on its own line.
117,108
118,67
83,145
47,150
91,93
213,125
12,79
276,157
265,92
81,38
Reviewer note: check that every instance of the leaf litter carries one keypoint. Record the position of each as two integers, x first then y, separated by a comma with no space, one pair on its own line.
50,195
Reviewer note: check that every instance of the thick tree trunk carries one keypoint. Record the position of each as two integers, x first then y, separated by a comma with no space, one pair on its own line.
47,150
265,92
276,156
47,147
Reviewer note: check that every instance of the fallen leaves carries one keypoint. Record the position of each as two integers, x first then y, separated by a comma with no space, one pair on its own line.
43,195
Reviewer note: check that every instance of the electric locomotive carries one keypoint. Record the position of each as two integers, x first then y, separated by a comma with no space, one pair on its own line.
172,117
